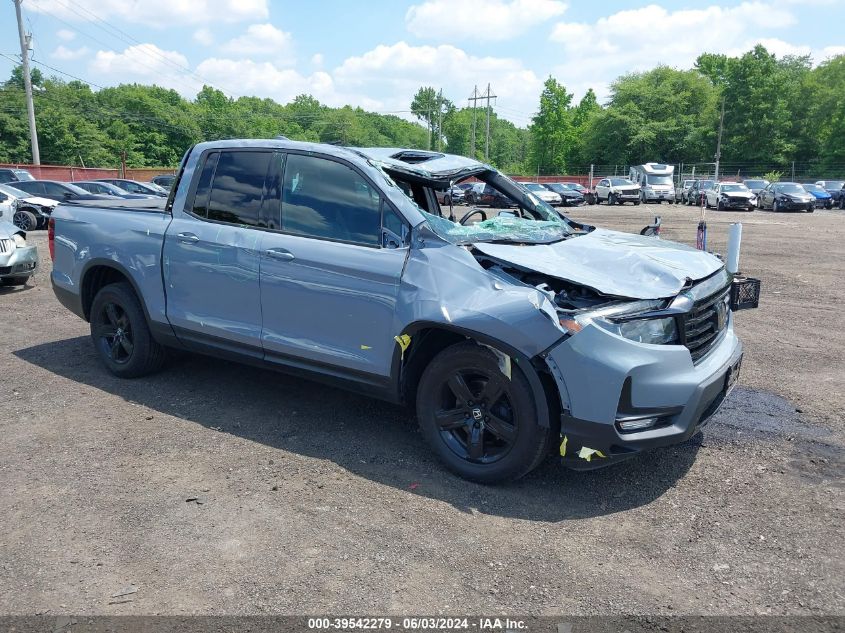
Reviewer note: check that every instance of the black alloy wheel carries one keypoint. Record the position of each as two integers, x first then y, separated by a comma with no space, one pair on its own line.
121,335
482,423
114,333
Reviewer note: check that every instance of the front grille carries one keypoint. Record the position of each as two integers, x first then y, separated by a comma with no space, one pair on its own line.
6,246
705,323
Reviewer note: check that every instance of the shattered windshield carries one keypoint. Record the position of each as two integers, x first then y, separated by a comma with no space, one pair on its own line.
501,228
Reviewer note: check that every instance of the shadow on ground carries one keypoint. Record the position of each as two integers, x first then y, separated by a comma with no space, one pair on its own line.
366,437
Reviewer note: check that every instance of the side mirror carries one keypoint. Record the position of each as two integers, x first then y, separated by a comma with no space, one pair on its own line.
68,195
3,197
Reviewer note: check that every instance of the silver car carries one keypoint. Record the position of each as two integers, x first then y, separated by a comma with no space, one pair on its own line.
18,259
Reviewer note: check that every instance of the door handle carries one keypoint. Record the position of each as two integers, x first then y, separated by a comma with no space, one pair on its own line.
280,254
188,238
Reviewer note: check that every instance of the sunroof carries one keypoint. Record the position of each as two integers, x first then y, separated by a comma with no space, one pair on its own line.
412,157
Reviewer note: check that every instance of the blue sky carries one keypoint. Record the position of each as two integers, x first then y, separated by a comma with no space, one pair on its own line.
377,53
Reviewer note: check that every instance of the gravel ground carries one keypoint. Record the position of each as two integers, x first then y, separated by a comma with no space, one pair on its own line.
214,488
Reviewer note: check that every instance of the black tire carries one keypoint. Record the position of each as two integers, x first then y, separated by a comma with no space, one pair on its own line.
481,425
636,203
25,220
15,281
775,206
447,200
810,209
720,206
121,335
611,199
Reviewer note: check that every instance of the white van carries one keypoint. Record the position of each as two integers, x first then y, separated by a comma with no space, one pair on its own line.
655,181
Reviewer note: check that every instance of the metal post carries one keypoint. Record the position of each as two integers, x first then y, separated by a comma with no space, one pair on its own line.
719,140
27,84
591,175
793,170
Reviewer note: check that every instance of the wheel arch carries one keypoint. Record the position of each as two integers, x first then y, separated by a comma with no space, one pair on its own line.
99,273
430,338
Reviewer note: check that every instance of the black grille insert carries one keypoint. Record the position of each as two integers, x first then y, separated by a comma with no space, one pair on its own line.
704,325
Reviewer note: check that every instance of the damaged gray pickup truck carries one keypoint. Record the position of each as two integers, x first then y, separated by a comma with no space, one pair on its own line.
515,333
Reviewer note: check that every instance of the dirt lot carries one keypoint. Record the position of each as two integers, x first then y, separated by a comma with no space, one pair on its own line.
312,500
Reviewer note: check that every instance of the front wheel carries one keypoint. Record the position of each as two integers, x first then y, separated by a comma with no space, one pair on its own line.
775,206
120,333
481,423
25,220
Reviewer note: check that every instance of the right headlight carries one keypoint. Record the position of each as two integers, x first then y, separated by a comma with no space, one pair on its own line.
622,320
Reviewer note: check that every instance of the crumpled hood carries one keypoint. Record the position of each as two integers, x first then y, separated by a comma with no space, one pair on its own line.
42,202
613,263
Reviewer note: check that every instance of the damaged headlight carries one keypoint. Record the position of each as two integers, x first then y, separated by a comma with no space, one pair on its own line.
621,320
19,240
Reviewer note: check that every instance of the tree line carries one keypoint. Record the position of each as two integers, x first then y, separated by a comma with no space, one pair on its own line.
776,111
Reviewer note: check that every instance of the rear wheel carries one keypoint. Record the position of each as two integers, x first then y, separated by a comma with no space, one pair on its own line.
120,333
480,423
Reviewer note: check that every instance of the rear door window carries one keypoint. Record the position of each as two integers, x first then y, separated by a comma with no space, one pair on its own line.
237,188
327,199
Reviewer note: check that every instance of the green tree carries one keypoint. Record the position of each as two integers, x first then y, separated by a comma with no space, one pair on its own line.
552,130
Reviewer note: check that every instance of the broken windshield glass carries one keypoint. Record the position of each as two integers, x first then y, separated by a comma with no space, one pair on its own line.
502,228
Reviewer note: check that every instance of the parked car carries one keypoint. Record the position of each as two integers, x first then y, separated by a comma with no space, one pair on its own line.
24,210
836,188
58,191
576,187
453,195
786,196
822,196
697,191
108,189
617,191
756,185
165,181
133,186
524,335
569,197
546,195
682,191
730,195
9,174
484,194
18,259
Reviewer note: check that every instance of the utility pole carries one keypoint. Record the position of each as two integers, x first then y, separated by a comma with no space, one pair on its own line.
440,120
27,84
487,140
719,140
473,100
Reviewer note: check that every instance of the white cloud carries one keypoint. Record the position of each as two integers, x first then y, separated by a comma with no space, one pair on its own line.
640,39
145,63
203,36
66,54
154,12
264,41
65,35
265,79
446,20
317,60
400,69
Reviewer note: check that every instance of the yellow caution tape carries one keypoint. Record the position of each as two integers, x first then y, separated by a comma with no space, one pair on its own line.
366,347
404,341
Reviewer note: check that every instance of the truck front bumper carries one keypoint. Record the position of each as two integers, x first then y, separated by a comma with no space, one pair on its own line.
21,262
605,380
